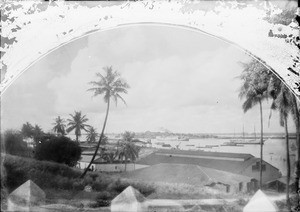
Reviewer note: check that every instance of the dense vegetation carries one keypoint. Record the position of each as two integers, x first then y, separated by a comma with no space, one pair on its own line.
12,143
50,175
58,149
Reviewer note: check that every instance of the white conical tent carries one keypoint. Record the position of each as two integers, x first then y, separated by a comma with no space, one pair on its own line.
25,197
129,200
260,203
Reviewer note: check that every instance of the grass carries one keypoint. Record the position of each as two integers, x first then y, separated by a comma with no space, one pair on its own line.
60,182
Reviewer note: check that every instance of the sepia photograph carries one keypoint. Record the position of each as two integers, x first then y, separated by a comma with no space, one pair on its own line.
150,106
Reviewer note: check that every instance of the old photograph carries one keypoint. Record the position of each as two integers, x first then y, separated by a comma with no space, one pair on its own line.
150,106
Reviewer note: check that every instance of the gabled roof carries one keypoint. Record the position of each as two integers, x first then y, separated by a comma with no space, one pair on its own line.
205,159
187,174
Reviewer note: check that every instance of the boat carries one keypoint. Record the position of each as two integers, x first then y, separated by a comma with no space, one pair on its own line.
210,146
230,143
204,147
249,141
190,145
173,138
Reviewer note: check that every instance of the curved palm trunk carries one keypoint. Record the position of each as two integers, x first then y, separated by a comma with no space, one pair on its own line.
297,123
288,165
261,144
99,142
125,164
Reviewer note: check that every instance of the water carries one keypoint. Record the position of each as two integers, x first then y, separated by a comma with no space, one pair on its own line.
274,150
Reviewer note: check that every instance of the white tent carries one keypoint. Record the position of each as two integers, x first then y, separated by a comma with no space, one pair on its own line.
129,200
26,197
260,203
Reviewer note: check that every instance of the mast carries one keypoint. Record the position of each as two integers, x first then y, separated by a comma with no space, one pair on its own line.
243,133
254,133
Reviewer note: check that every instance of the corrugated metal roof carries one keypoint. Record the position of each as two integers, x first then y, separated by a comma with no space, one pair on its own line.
233,166
185,173
203,153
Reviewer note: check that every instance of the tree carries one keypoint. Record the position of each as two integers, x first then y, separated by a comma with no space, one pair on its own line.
58,149
37,133
92,135
27,130
13,144
255,80
59,126
111,85
77,123
128,149
284,102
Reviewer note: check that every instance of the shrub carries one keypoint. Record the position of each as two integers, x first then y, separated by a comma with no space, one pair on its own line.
103,199
118,186
58,149
45,174
13,144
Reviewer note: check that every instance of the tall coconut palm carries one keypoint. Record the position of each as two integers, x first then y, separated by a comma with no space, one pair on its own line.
92,135
255,78
77,123
284,102
59,126
110,85
296,117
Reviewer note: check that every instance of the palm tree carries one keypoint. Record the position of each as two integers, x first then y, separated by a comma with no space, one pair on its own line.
254,90
111,85
37,133
77,123
92,135
27,130
128,149
283,101
59,126
296,117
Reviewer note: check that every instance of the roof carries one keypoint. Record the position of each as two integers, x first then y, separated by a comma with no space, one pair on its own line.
187,174
204,153
283,180
230,162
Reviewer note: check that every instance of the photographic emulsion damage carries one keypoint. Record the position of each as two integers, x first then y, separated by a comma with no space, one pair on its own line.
150,106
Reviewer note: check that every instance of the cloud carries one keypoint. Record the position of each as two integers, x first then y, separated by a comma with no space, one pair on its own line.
185,82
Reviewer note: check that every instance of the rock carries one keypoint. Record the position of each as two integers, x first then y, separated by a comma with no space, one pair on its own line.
27,197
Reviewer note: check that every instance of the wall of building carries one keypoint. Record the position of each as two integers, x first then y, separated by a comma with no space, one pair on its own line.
83,165
118,167
269,174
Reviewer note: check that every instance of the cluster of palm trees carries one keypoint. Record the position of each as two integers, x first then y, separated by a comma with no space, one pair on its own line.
126,150
76,123
111,86
29,131
260,84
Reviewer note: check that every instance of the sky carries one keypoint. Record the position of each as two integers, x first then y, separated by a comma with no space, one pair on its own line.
180,80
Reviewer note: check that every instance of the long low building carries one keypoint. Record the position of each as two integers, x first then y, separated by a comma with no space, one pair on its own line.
242,164
192,175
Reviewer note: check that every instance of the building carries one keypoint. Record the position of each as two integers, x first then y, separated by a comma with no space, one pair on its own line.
242,164
192,175
280,184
